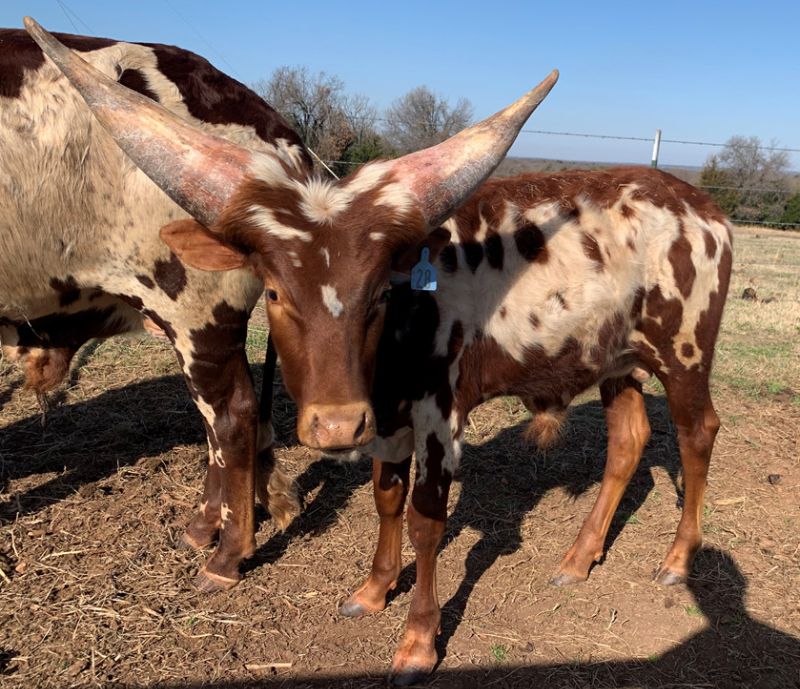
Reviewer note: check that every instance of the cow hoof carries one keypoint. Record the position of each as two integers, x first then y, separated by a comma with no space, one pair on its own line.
666,577
208,582
351,608
408,677
566,579
188,543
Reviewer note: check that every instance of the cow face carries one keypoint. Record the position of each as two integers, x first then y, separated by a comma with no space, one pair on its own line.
323,249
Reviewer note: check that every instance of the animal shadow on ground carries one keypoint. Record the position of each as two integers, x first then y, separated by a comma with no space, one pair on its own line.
90,440
732,651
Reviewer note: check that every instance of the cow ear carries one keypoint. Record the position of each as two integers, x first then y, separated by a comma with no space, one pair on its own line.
195,246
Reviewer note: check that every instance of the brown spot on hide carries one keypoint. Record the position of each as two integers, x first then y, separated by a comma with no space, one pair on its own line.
214,350
502,312
146,281
560,299
214,97
68,292
530,243
687,349
473,255
660,324
493,247
534,319
611,338
448,259
592,250
711,244
680,257
627,212
705,333
636,306
134,79
170,276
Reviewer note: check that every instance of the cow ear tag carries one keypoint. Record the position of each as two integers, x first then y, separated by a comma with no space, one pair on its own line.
423,275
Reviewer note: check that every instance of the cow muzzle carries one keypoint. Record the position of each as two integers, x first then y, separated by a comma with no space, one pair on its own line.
335,427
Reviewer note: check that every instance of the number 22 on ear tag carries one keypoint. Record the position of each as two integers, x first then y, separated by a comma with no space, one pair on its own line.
423,275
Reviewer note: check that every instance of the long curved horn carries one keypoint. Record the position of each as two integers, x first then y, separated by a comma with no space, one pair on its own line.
199,171
444,176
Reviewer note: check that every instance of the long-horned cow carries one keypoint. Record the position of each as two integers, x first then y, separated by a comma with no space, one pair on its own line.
89,244
547,285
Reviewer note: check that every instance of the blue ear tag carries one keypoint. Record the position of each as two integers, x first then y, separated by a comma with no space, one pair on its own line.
423,275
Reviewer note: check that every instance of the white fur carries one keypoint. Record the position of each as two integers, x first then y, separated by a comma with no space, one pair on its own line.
331,300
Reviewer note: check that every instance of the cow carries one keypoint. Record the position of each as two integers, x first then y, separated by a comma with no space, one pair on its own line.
545,285
189,200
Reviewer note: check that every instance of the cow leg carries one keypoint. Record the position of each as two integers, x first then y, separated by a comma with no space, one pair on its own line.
427,516
274,488
218,375
390,486
697,424
628,433
203,529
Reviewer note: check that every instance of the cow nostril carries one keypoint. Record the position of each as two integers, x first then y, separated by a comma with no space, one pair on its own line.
361,427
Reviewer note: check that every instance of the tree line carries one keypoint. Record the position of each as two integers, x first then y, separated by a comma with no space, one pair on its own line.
751,182
347,129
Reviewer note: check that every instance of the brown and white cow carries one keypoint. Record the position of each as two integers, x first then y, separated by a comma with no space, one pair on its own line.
89,244
551,283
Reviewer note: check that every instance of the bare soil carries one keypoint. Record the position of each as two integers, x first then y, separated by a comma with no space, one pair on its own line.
93,591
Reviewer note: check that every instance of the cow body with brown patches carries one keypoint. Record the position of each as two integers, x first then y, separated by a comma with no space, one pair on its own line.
551,284
96,181
80,253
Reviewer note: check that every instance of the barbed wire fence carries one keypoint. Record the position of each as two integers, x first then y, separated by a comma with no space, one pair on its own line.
656,142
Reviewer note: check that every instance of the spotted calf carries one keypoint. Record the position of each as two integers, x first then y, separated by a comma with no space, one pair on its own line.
551,283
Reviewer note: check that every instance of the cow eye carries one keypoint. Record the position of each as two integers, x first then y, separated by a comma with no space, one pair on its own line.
272,295
385,295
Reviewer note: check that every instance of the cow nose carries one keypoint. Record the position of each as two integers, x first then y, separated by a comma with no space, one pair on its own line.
331,427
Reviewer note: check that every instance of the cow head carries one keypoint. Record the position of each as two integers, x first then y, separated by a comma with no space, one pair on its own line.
324,249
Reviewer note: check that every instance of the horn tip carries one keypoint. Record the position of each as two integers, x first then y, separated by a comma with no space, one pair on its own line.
32,26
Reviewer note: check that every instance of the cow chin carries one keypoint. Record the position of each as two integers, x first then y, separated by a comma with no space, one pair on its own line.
345,456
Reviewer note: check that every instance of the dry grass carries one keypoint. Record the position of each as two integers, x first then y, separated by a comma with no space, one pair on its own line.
94,593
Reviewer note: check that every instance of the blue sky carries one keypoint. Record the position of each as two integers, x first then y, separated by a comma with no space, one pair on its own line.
700,71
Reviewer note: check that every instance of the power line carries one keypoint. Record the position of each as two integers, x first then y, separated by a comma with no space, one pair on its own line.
69,13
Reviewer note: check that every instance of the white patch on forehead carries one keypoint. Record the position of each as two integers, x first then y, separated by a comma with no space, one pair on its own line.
326,255
376,236
266,220
331,300
321,202
295,259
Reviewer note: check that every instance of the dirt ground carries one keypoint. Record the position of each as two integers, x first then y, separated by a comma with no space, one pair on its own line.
93,591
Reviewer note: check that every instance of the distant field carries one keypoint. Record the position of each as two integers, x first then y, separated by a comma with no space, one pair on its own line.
515,166
93,591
